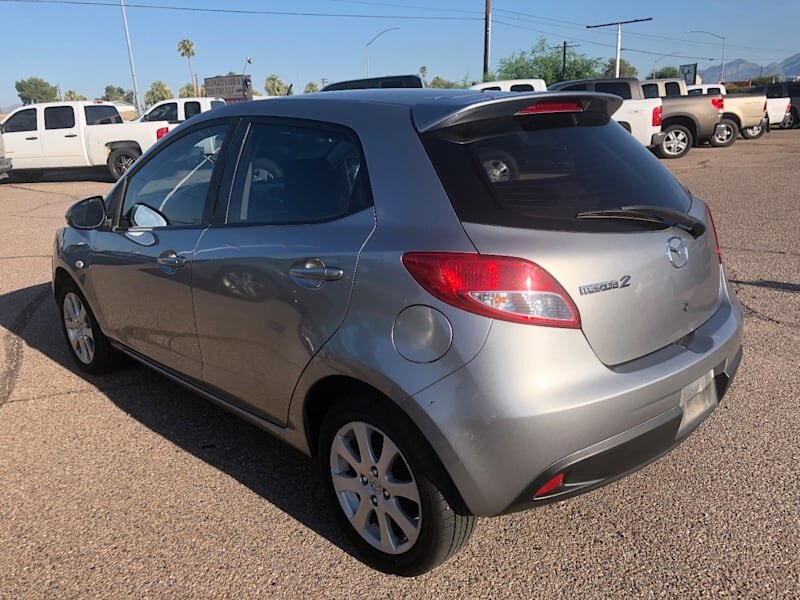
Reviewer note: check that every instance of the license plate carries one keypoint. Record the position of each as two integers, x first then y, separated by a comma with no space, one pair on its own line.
697,400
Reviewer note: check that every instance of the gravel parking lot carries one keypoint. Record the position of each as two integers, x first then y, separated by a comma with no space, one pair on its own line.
129,486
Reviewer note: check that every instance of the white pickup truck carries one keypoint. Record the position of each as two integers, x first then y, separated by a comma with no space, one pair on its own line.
55,135
177,110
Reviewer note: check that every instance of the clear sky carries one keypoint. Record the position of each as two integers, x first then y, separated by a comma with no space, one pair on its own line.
82,47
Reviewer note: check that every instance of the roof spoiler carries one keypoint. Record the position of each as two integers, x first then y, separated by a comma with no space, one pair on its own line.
429,117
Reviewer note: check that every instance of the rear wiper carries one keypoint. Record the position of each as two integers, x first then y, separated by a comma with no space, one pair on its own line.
649,214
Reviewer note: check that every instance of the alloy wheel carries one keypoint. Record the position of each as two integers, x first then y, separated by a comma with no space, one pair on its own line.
79,328
375,487
675,142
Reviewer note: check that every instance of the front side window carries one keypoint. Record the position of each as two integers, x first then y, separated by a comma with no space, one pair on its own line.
575,87
24,120
165,112
672,89
174,183
59,117
697,92
651,90
296,174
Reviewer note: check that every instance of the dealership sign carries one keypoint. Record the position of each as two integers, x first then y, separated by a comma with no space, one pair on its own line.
234,88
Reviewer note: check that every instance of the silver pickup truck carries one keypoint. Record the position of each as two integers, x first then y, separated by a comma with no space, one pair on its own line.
686,121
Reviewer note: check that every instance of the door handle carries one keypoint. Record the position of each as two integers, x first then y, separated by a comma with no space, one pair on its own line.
71,135
171,259
32,138
314,273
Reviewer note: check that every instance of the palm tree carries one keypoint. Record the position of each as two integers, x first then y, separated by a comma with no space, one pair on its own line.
186,48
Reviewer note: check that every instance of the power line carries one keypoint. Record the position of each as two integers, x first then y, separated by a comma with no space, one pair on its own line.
242,11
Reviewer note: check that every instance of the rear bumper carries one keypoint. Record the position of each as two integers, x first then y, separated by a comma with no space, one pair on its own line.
657,140
5,165
536,402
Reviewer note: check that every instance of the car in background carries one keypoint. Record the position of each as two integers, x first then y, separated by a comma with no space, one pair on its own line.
177,110
777,108
785,89
387,81
511,85
447,344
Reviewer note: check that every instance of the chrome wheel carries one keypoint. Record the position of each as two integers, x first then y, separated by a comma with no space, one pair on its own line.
725,135
753,131
375,487
79,328
123,162
676,142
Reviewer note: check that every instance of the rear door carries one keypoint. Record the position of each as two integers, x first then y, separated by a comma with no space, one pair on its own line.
61,142
638,286
22,139
272,278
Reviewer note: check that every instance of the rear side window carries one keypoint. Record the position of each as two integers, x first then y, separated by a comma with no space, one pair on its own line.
539,171
165,112
24,120
291,174
59,117
618,88
522,87
672,89
794,89
191,109
774,91
491,88
697,92
650,90
575,87
217,104
714,90
101,115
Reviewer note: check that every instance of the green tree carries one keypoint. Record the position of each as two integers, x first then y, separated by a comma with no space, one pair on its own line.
423,72
543,61
115,93
73,96
186,91
626,69
186,49
275,87
764,80
158,91
311,87
441,82
667,72
35,89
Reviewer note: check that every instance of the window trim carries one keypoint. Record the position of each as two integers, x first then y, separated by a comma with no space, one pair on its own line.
213,188
62,107
19,112
232,168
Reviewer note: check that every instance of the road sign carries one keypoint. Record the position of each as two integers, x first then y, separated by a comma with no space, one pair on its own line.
234,88
689,73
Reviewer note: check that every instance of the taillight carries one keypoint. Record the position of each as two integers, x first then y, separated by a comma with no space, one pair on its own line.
718,103
716,237
789,107
658,111
551,106
499,287
551,485
161,132
765,106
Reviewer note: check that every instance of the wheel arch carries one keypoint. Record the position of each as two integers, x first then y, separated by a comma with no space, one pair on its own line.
733,117
325,393
683,120
124,145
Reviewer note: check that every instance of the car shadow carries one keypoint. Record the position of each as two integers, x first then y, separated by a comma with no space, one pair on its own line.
276,472
771,285
98,174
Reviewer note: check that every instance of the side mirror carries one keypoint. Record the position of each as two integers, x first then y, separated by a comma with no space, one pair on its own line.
89,213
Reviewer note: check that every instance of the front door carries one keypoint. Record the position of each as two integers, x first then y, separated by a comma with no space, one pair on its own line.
61,144
272,281
21,139
142,267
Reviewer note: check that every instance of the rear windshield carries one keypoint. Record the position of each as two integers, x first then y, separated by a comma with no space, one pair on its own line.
540,171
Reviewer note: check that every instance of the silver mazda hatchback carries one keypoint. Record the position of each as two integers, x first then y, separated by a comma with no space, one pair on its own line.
463,304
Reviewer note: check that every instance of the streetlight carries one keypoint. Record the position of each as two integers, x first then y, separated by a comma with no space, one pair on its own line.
245,87
366,48
721,37
247,61
619,25
130,58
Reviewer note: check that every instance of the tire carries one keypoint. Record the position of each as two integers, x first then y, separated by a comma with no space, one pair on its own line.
89,348
753,133
121,160
390,508
790,121
499,165
727,137
677,142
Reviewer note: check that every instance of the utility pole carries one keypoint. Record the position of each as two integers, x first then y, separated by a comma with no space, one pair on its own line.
564,58
619,25
487,38
130,57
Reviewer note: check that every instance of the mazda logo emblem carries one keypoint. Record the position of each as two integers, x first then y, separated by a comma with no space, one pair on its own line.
677,252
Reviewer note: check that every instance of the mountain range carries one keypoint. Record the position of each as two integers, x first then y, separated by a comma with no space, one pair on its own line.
741,69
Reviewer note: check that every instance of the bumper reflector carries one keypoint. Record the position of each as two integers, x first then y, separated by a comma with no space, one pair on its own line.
552,485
